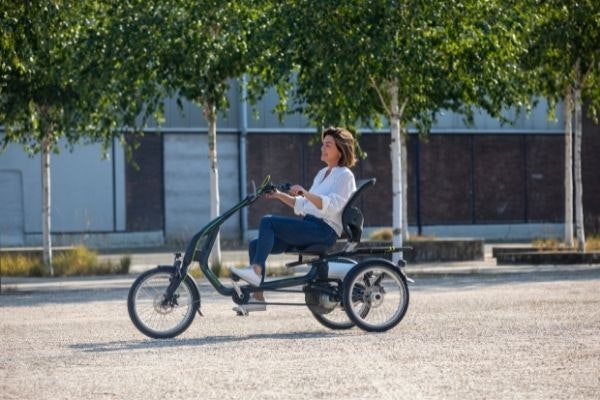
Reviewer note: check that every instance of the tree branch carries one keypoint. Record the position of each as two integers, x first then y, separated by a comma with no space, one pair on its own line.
383,103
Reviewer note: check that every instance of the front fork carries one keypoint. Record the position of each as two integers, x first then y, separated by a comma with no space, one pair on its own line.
170,299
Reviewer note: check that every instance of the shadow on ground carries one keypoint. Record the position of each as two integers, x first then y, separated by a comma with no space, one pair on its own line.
196,342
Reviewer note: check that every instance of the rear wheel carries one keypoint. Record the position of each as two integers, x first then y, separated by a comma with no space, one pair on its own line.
336,319
324,302
155,315
375,295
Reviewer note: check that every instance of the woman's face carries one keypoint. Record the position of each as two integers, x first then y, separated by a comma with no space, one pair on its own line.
329,152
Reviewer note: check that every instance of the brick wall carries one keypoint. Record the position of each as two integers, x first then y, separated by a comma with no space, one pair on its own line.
461,178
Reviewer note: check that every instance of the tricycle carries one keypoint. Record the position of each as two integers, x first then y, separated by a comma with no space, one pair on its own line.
343,287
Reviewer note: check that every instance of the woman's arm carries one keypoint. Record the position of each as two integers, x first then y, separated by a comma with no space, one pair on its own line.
313,198
284,198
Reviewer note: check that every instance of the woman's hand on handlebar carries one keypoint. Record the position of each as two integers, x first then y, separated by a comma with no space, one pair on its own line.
297,190
275,194
281,196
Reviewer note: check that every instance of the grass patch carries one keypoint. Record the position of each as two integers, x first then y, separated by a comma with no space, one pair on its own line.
78,261
279,271
21,265
548,244
593,243
381,235
195,271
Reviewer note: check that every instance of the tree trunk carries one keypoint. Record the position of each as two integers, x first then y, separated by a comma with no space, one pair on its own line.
397,173
211,116
405,233
46,207
579,223
568,169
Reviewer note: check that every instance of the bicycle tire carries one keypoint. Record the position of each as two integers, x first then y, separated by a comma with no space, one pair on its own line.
327,321
376,295
147,310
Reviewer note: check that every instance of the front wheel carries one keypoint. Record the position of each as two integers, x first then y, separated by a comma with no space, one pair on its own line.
153,313
375,295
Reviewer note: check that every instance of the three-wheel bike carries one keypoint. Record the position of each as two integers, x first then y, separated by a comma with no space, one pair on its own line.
342,288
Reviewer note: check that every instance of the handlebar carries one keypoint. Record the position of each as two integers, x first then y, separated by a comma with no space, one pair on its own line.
282,187
269,187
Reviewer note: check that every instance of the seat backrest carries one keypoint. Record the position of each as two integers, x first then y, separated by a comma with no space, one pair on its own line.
352,218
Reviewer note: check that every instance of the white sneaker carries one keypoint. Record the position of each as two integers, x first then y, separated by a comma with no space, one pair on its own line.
247,274
247,308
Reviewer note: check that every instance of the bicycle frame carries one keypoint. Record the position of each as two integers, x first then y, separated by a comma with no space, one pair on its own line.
201,244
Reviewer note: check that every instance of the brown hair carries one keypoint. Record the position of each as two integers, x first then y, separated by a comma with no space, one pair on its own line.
344,141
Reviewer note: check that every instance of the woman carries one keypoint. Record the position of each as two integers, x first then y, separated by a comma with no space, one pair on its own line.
321,208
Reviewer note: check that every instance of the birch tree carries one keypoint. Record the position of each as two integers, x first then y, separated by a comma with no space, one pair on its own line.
358,61
64,74
564,52
208,48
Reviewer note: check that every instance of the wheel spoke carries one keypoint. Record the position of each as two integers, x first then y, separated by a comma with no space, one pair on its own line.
379,297
151,315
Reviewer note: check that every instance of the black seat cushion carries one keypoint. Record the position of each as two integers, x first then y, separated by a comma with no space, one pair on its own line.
318,249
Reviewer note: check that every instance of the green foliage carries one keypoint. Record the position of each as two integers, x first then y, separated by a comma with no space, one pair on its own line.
73,69
345,55
563,49
205,47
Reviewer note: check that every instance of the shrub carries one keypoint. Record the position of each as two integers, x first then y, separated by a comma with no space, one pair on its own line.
548,244
78,261
21,265
382,235
219,270
279,271
593,243
125,264
195,271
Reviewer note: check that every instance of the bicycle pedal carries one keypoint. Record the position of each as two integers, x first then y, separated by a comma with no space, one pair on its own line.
241,311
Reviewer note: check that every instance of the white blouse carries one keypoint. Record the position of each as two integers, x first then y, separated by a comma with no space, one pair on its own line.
334,191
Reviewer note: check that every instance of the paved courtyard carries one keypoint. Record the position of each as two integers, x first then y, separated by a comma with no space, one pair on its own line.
534,335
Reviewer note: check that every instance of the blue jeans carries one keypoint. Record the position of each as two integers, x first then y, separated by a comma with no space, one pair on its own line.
278,233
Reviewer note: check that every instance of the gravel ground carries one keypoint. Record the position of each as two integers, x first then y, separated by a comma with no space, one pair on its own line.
509,336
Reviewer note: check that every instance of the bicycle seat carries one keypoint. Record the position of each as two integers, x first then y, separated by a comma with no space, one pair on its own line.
310,250
352,224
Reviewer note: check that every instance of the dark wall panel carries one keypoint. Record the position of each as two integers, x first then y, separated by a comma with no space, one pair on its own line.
499,178
144,185
376,202
278,155
445,179
590,155
545,178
